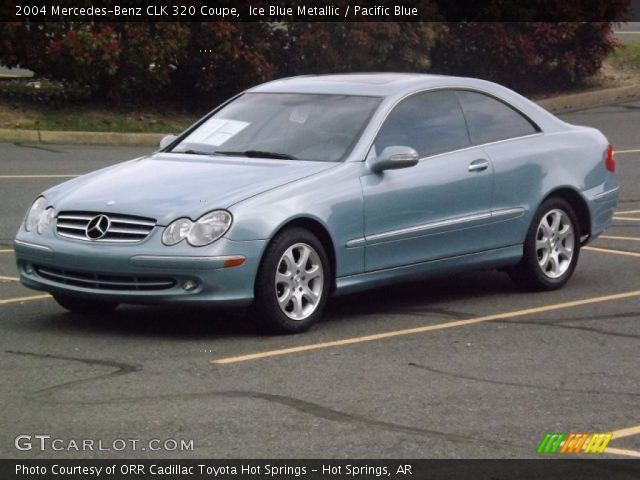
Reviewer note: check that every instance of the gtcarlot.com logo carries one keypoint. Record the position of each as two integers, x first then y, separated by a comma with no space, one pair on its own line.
47,442
574,443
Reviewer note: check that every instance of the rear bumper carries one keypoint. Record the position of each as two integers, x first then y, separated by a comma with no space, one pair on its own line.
149,273
602,203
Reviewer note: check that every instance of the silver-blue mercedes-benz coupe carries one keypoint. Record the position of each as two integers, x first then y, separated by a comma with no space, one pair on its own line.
305,187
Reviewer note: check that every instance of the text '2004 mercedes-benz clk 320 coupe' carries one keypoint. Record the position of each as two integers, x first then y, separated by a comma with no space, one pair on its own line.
304,187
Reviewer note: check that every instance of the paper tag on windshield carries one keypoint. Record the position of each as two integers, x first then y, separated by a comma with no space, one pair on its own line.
300,114
216,131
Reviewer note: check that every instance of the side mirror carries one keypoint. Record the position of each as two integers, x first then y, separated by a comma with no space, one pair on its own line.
393,158
166,141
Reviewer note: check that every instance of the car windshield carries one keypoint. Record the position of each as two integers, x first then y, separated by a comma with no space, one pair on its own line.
283,126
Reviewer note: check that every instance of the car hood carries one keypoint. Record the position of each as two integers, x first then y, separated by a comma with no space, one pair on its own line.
169,186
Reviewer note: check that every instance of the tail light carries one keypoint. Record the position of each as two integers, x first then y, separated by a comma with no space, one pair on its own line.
609,160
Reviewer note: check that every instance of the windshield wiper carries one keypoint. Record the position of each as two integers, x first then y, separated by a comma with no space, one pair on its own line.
257,154
196,152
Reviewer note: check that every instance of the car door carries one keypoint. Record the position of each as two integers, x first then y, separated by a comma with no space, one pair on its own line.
510,140
440,207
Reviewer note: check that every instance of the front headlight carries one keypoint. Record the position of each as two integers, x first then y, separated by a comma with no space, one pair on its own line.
176,231
207,229
35,212
46,219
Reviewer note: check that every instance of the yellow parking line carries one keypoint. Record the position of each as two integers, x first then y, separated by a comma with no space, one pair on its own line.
609,250
627,219
6,250
627,212
24,299
38,176
613,237
10,279
623,433
622,451
424,329
617,152
626,432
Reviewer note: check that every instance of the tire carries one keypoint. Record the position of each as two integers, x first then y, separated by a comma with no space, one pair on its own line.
84,305
289,296
551,247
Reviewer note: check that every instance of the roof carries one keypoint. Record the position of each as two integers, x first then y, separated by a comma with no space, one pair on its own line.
395,86
377,84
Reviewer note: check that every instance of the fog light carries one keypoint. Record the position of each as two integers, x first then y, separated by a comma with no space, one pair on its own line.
189,285
28,269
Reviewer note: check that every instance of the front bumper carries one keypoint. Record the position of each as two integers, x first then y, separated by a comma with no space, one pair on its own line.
144,273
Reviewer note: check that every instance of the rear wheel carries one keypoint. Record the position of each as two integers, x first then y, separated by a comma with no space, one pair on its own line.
293,282
551,249
84,305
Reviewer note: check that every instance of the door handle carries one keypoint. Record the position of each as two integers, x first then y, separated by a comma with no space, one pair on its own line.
478,165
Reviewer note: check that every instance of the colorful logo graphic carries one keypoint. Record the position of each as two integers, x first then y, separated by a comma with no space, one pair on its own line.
556,442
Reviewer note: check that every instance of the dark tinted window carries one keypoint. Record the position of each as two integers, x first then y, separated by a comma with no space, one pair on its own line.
490,120
430,123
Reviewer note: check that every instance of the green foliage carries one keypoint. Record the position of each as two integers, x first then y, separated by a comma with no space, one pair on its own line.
528,56
207,62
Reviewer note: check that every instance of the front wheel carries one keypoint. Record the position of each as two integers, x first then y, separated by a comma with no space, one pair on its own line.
84,305
293,283
551,249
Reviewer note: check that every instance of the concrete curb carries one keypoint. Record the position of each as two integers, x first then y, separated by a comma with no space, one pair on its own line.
556,104
80,138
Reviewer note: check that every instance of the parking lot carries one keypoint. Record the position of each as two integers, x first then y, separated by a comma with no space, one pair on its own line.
464,366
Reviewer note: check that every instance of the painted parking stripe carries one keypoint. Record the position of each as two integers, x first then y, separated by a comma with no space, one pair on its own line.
618,152
7,250
613,237
9,279
622,451
612,251
424,329
626,212
23,299
627,219
626,432
37,176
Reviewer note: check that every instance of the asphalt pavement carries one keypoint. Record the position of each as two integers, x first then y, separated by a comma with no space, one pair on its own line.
465,366
628,32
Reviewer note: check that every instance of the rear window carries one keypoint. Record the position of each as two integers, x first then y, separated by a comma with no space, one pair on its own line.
490,120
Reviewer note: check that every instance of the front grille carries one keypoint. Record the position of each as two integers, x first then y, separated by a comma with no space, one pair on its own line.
100,281
121,228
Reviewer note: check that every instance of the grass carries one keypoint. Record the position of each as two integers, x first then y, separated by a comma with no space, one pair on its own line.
86,119
24,115
627,55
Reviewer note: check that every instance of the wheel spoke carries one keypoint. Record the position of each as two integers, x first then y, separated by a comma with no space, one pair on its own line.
283,278
554,263
566,252
289,261
304,258
315,272
285,298
555,222
311,295
297,306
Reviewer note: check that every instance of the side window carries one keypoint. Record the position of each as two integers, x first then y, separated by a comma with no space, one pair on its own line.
490,120
430,123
